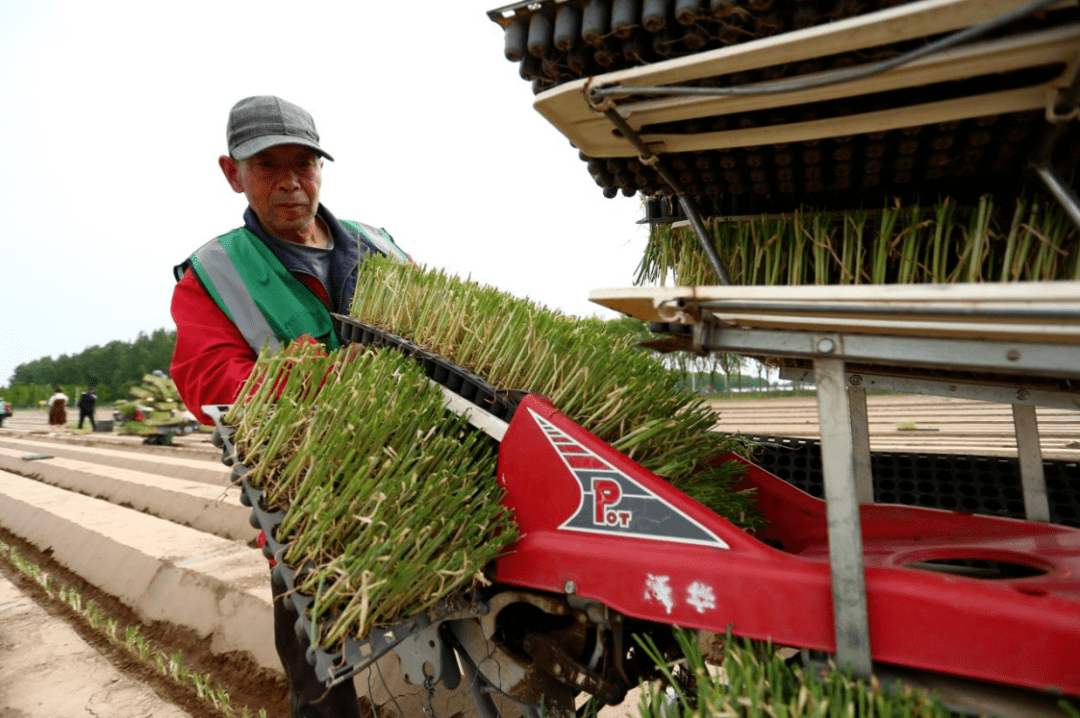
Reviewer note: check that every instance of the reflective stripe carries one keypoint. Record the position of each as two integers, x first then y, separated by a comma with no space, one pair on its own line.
267,303
233,297
379,238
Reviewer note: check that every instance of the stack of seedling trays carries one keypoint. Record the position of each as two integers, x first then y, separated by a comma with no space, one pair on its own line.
158,399
381,507
351,655
962,121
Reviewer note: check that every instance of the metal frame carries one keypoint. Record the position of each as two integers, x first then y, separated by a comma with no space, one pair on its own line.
586,110
995,393
1057,115
845,437
579,109
818,330
842,495
1022,397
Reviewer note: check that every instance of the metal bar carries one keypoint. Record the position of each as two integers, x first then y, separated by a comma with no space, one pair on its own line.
596,143
860,437
1062,193
1057,361
1062,310
1002,393
840,76
1036,503
692,214
485,421
1067,100
842,510
650,159
1041,157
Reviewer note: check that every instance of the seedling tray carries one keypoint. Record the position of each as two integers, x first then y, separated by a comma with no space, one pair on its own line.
500,402
353,656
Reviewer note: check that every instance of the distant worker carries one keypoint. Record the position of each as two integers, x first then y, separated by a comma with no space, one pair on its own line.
274,280
58,408
87,404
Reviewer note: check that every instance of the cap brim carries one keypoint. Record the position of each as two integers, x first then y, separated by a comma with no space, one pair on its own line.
246,150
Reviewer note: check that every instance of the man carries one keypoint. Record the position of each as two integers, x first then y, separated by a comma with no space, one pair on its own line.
279,276
274,280
87,404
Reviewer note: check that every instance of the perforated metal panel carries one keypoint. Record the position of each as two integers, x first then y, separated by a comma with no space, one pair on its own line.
976,484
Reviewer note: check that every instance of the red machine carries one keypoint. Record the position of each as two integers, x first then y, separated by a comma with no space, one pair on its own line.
599,527
610,550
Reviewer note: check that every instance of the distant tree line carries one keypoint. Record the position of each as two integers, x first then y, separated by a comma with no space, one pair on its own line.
737,380
112,369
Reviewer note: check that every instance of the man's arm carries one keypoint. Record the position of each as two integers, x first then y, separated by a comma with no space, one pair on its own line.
212,360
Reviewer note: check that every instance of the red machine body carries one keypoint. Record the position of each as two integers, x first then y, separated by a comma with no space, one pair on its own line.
597,524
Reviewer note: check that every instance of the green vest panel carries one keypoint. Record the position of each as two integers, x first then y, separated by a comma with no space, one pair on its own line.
266,303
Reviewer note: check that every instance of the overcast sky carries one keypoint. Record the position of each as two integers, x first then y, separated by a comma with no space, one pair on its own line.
114,115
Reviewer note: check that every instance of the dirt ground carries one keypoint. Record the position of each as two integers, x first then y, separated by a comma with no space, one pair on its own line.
47,669
53,665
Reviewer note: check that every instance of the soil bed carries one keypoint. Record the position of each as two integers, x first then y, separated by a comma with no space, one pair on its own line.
248,685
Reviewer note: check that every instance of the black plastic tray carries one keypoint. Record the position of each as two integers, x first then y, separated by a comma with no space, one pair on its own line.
502,403
354,656
986,485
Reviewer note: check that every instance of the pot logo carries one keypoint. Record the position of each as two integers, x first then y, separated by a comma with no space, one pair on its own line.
606,497
611,502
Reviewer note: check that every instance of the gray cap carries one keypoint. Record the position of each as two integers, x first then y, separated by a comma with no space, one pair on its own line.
264,121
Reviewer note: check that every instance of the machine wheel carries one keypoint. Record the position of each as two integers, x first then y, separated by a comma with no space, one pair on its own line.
503,684
537,654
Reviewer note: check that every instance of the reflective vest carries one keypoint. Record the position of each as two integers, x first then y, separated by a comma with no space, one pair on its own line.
260,296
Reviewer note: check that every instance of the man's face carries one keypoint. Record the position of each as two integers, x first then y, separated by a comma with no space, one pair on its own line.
282,186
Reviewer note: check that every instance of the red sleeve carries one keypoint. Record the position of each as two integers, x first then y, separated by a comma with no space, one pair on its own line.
211,360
